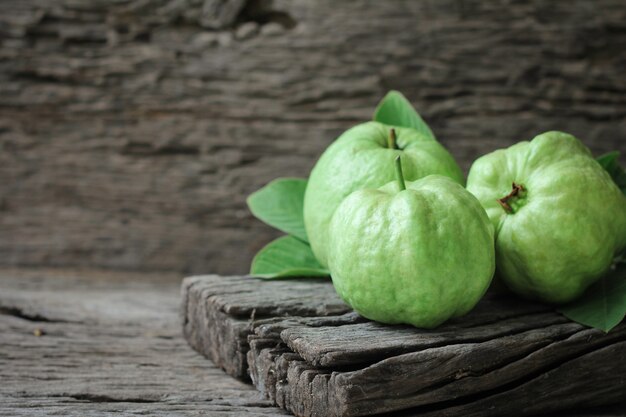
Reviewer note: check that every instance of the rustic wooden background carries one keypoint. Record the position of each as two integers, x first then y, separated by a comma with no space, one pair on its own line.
132,131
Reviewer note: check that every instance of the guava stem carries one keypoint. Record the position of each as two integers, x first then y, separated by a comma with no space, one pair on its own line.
505,205
399,175
515,191
391,139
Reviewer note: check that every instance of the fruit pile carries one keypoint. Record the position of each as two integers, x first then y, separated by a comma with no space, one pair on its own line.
385,213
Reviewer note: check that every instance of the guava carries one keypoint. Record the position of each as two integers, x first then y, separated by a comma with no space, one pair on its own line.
363,157
417,254
559,218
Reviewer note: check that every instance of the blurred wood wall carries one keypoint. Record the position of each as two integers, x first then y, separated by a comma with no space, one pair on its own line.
132,131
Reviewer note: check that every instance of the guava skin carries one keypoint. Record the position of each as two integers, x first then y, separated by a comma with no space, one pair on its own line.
563,231
419,256
360,158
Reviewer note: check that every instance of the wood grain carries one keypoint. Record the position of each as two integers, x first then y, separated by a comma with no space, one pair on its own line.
132,131
208,301
109,344
507,357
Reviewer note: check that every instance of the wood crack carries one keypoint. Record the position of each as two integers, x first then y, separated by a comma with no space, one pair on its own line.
482,397
505,352
99,398
312,346
513,361
24,315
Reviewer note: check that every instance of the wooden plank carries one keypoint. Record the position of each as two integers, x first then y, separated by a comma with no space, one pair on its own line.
506,357
109,344
132,131
208,301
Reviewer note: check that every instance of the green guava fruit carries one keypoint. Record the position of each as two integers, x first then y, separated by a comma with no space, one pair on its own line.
362,157
417,255
559,218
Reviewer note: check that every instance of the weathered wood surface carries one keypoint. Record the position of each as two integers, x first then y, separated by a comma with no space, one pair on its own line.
309,354
131,131
235,304
110,345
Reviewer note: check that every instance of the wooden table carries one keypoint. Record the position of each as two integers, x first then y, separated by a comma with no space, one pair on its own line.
78,343
100,343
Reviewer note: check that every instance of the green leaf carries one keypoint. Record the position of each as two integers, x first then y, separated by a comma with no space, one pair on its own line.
603,305
286,257
608,159
394,109
610,162
280,205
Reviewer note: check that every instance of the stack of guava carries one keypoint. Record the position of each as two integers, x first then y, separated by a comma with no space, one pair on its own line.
387,213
